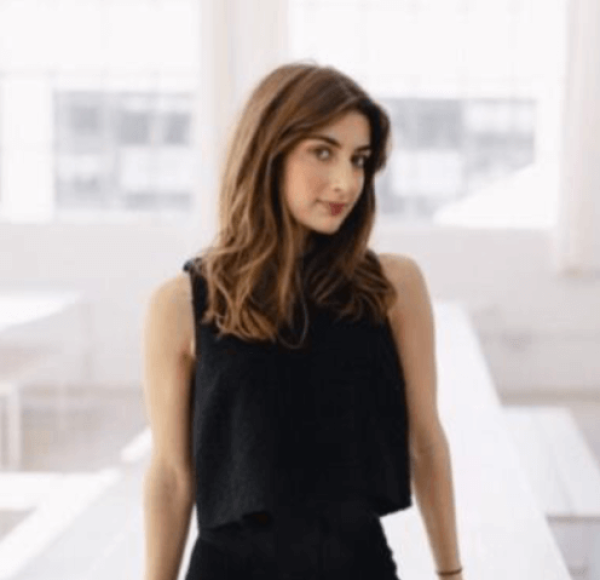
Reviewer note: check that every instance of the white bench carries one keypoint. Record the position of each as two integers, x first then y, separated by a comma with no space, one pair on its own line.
502,533
22,353
17,366
564,476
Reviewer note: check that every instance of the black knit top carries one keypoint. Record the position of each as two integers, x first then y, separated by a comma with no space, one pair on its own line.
276,427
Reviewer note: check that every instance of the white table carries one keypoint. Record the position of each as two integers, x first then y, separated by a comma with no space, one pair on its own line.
20,312
503,534
502,531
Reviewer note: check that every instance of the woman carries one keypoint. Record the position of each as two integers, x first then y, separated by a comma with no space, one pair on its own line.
289,371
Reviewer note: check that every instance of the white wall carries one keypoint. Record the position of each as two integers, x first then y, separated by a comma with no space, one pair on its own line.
539,330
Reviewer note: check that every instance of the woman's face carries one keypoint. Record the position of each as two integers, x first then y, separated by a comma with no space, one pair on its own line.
318,172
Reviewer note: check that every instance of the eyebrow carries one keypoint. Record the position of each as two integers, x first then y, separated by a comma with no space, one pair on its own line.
332,141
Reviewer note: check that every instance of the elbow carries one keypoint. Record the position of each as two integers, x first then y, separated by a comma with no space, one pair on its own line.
431,446
171,480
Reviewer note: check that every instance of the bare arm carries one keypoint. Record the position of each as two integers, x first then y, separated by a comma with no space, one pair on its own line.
168,484
411,319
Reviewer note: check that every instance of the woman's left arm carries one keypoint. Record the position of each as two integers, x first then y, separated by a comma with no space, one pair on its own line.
411,320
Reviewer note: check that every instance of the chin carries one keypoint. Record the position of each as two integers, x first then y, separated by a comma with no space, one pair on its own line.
334,227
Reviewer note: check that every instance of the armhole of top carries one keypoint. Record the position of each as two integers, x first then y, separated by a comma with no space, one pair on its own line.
198,295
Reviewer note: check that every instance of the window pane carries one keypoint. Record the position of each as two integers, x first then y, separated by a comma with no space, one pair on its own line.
467,91
105,90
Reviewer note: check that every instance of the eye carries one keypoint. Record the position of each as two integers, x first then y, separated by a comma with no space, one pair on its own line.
319,149
363,157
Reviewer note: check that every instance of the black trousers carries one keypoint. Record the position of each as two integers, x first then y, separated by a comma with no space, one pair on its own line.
344,540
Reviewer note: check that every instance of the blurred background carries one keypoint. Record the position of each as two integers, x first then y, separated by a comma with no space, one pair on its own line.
113,116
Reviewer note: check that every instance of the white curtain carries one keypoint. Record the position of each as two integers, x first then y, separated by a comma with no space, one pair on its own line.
577,240
242,40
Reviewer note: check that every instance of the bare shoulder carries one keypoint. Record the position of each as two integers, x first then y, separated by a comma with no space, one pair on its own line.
403,272
171,303
394,263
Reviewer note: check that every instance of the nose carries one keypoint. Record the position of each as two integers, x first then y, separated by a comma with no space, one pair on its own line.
345,180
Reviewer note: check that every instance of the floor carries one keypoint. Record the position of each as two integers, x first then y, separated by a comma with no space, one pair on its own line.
98,474
586,412
89,485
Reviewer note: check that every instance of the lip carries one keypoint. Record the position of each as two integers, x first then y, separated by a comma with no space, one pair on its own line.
335,208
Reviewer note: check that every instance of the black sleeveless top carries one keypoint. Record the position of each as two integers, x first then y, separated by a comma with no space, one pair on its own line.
277,427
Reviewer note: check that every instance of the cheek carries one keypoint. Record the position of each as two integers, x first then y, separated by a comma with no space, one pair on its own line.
305,183
313,186
305,188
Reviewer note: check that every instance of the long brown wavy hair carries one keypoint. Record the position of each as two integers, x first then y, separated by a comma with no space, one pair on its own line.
255,270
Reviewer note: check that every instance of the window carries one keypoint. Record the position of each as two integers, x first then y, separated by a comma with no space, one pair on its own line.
474,93
96,107
123,150
445,149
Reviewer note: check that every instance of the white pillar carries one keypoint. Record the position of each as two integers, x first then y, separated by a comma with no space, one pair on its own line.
241,41
578,233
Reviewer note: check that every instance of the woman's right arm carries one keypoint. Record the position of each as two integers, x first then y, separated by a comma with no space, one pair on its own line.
168,485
